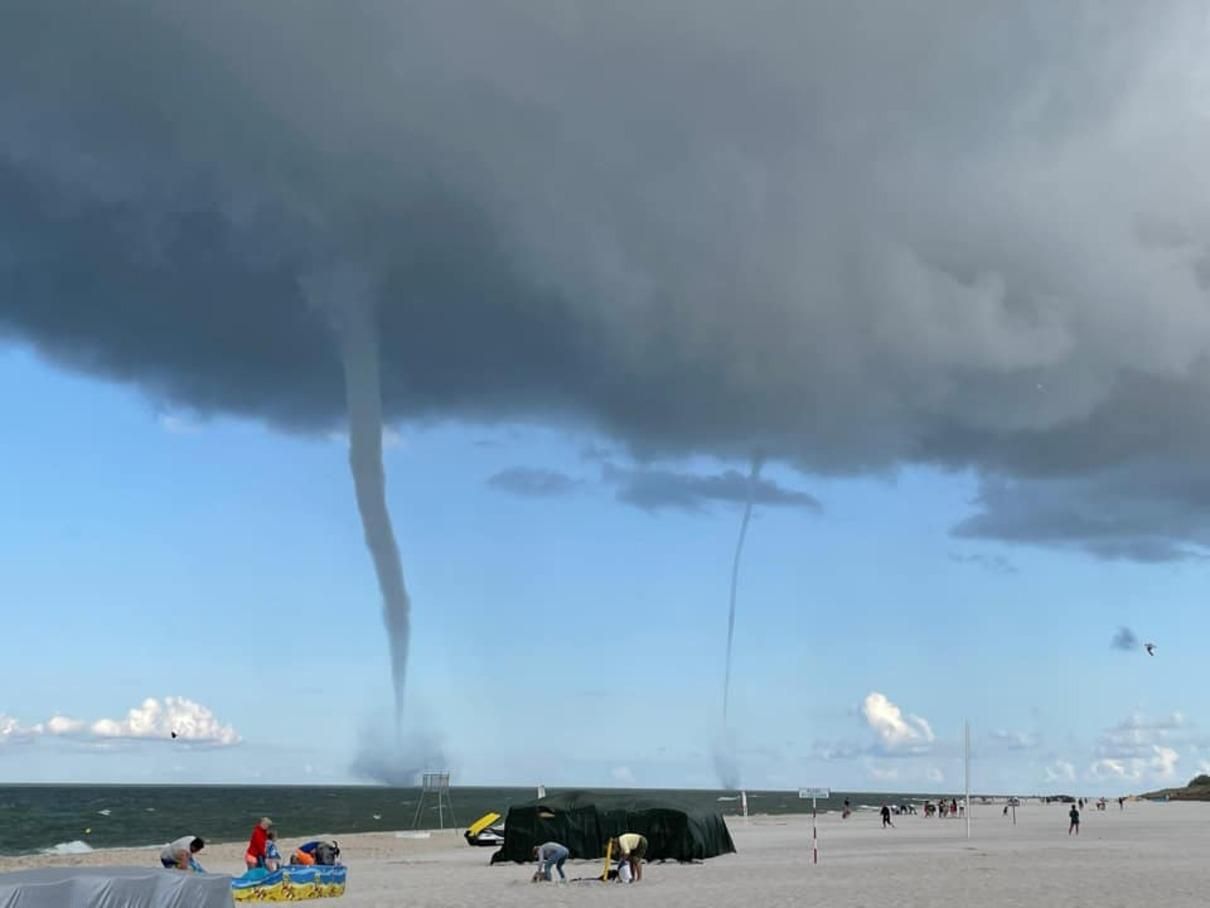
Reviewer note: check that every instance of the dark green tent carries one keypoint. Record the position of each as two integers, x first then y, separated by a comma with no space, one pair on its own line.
585,820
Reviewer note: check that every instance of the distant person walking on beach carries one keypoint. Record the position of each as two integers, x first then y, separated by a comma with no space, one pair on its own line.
1074,813
549,855
633,847
179,854
886,817
1121,803
255,855
848,810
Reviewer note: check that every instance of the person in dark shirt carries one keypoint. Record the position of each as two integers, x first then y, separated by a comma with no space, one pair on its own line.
1074,813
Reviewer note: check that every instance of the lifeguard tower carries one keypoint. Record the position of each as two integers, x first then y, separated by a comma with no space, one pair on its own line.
435,785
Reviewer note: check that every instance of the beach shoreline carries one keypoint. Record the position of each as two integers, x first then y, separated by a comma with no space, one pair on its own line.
1121,858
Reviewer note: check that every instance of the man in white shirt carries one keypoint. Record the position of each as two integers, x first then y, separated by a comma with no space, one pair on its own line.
179,854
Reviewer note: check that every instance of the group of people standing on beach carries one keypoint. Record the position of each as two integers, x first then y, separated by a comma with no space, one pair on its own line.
262,852
951,809
941,809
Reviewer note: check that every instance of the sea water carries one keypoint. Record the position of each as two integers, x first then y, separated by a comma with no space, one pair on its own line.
72,819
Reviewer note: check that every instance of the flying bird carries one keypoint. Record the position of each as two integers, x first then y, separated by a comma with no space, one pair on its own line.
173,733
1150,647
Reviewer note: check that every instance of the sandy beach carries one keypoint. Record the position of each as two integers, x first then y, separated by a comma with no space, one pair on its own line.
1147,853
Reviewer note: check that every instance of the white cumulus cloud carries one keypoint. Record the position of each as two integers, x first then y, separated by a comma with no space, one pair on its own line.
12,731
1163,764
153,719
1158,765
63,725
896,730
160,719
1141,747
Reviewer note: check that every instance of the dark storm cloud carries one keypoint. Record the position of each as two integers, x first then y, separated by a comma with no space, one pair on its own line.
1150,511
855,235
531,482
653,489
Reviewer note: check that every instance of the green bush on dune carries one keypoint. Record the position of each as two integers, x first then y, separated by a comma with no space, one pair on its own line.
1198,789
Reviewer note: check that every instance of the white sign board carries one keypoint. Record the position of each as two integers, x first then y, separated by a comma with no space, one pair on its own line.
808,794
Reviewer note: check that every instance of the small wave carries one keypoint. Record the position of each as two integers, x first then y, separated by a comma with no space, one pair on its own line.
106,812
76,847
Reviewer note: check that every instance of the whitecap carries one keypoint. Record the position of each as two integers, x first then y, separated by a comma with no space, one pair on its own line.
76,847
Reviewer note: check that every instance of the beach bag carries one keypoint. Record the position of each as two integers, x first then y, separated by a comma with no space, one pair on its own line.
624,872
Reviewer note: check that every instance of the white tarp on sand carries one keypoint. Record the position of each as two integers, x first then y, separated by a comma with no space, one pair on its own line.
114,887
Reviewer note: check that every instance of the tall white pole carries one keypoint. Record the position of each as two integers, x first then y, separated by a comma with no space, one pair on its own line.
968,780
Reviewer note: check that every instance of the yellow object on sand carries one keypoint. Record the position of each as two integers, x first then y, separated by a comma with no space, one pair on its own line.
482,823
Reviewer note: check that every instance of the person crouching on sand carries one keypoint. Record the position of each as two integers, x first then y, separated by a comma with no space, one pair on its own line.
255,855
549,855
1074,813
633,848
178,855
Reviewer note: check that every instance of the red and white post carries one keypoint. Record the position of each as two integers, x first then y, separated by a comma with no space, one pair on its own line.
814,835
814,794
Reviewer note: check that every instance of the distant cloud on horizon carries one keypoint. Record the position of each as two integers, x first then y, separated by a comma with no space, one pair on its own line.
656,489
533,482
152,720
1014,740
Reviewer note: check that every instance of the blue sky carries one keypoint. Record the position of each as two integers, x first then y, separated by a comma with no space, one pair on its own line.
573,639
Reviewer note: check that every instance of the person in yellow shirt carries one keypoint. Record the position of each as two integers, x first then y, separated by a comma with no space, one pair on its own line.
632,847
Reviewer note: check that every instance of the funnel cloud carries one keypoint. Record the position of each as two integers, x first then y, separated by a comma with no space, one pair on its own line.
753,477
345,296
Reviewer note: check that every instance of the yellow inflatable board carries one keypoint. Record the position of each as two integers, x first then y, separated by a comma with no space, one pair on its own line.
482,823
